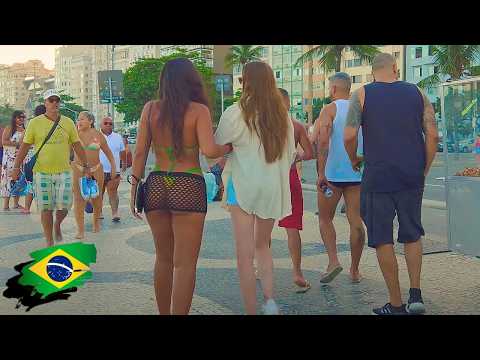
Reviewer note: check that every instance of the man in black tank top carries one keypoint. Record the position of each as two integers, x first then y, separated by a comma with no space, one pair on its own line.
400,140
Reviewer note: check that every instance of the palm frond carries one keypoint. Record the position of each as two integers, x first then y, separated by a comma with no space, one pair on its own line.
429,82
315,52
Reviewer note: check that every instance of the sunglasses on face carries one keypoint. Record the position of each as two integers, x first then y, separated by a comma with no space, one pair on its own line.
108,123
21,117
53,99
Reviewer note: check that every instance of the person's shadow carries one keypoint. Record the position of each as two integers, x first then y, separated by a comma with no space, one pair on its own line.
26,295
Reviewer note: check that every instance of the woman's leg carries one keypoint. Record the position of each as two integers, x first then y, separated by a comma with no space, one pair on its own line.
6,203
28,203
16,205
243,230
187,232
78,206
161,225
98,201
263,234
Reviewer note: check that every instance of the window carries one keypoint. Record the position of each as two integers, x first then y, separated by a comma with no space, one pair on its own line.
353,62
418,52
277,74
417,71
435,69
430,50
396,54
356,79
306,101
297,72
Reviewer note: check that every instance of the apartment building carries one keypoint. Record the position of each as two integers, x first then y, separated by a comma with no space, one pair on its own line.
74,73
12,81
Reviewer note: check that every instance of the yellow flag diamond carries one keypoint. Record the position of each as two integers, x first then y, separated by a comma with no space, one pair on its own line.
59,268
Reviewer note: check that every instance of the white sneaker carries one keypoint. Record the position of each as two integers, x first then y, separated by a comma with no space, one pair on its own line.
271,308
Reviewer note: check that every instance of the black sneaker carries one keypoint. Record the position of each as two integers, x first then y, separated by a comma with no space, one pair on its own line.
415,305
389,309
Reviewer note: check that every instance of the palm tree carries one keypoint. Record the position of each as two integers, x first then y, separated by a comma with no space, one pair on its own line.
242,54
330,56
453,61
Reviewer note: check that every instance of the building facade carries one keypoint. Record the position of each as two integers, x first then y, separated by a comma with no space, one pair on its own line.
13,89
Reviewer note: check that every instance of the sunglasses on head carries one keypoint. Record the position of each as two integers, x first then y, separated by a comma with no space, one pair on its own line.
54,99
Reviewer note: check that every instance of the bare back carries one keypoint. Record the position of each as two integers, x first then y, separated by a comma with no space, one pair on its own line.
162,144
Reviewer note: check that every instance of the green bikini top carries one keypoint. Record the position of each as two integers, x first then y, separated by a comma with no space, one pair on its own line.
95,145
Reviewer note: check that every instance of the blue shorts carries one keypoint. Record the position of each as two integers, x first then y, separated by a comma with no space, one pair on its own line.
378,211
231,195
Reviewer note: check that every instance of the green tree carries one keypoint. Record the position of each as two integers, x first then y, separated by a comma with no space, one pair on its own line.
141,82
330,56
317,106
452,61
6,115
242,54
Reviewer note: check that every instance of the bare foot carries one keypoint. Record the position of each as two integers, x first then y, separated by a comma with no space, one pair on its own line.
355,276
79,236
300,281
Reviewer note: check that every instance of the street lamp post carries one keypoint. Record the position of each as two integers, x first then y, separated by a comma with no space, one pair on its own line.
110,87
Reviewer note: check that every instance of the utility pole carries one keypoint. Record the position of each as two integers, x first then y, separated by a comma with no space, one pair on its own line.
110,86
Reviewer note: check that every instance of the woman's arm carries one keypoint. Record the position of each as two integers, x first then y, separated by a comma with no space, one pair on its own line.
6,137
206,141
143,143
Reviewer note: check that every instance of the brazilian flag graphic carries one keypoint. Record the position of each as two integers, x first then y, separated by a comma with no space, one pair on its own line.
58,268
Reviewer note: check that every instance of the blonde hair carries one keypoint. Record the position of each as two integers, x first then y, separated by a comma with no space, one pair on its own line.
264,110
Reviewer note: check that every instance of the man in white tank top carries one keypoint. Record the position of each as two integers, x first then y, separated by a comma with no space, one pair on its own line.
335,171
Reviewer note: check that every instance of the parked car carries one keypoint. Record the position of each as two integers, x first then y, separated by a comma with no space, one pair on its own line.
466,146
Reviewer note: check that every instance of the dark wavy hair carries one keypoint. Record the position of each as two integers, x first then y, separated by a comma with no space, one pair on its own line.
40,110
180,84
13,123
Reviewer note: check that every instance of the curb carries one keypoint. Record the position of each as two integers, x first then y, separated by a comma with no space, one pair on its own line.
432,204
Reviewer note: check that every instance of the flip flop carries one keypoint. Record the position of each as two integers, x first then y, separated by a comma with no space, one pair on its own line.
302,289
326,278
356,281
116,219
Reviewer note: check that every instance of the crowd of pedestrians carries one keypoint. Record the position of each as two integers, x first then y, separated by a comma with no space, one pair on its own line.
255,151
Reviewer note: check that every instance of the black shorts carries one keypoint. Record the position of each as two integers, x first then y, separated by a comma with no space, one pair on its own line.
378,210
346,184
175,191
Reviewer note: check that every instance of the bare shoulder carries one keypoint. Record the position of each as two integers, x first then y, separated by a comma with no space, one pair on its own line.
298,126
358,95
330,110
198,107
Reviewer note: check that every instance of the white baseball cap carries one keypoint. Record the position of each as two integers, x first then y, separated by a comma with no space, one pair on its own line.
49,93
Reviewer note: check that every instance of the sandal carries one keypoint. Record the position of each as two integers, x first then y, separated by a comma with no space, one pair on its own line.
329,276
302,289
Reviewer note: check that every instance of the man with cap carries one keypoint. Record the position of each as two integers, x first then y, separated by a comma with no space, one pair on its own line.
52,177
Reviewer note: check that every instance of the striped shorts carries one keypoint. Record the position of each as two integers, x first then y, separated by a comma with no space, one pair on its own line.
53,191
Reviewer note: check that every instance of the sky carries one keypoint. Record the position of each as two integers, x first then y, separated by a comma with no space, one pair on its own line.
10,54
